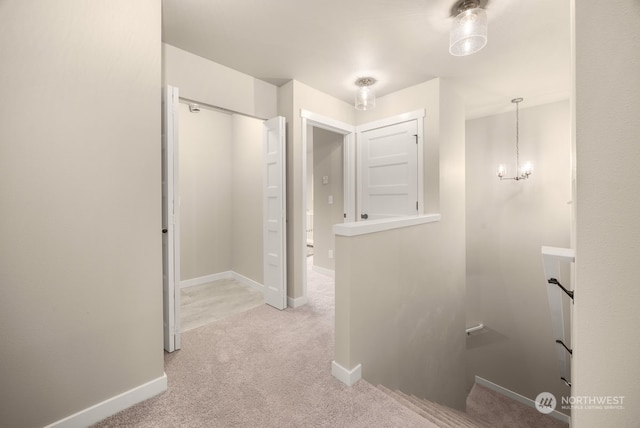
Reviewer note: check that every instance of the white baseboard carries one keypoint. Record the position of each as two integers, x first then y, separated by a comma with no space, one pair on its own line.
113,405
207,278
348,377
324,271
520,398
221,275
247,281
291,302
297,302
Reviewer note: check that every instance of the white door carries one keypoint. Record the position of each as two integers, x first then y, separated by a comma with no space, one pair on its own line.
170,221
274,214
389,171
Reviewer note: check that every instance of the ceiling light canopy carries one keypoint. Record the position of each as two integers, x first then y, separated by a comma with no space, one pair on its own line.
469,31
365,95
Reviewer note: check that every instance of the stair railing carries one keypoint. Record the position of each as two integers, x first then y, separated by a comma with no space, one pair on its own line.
551,259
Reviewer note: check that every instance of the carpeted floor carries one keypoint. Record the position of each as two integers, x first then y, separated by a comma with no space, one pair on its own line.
265,368
486,404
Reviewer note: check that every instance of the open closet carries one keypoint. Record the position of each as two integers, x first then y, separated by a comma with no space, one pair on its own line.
223,213
220,188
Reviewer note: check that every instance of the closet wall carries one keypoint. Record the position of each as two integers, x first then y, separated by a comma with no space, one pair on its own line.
220,194
205,192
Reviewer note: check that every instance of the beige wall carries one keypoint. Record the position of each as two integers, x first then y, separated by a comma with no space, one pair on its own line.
246,197
327,155
404,320
292,97
80,254
606,315
220,194
507,223
205,182
202,80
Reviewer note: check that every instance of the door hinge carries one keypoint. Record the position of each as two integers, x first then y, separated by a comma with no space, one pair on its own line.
344,215
416,205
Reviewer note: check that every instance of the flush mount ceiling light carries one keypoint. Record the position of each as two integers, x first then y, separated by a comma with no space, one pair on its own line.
469,31
521,173
365,95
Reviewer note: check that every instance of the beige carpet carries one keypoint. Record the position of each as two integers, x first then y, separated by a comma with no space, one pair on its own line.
265,368
502,412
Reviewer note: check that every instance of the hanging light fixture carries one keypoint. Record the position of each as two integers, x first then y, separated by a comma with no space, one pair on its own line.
524,172
365,95
469,31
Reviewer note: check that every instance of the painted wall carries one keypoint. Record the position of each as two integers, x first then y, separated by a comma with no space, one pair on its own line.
205,185
404,320
327,156
80,254
220,193
202,80
246,197
292,97
606,315
507,223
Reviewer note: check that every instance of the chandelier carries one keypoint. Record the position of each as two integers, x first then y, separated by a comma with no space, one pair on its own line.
526,170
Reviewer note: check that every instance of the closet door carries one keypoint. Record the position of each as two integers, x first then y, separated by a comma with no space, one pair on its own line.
274,213
170,221
389,171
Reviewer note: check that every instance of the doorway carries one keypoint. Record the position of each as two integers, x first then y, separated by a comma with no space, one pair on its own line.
329,191
325,196
223,193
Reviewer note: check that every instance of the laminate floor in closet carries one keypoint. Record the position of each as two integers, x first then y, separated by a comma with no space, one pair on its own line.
213,301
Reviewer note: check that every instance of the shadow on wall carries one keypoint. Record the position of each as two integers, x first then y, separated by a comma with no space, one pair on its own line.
486,337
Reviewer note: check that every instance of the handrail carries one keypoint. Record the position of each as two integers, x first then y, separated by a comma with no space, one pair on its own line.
474,329
556,282
565,346
552,257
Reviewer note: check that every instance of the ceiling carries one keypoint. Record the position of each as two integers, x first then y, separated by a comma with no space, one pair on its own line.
328,44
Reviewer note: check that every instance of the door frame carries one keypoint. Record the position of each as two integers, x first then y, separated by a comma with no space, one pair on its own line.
349,179
417,115
171,220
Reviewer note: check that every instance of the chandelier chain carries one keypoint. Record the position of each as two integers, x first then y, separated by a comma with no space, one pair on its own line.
517,139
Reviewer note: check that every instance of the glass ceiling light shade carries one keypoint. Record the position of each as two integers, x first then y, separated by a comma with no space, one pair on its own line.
469,31
365,95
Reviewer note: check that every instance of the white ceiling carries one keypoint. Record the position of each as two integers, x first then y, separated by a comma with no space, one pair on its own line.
328,44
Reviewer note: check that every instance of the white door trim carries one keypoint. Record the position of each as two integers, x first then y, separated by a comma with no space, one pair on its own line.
349,175
417,115
404,117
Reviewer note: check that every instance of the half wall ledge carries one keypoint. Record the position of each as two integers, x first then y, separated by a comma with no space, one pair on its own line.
372,226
